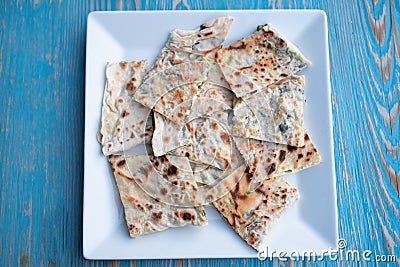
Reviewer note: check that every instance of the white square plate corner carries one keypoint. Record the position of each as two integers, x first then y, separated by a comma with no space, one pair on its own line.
310,225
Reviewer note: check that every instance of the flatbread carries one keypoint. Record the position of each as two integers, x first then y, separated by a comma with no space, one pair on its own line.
182,68
143,213
211,141
124,122
169,135
215,95
266,160
252,214
208,174
260,59
193,45
274,114
170,91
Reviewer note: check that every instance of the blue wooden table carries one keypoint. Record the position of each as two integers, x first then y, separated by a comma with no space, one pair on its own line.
42,63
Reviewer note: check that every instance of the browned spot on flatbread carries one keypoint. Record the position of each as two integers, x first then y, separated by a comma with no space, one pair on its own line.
252,238
131,86
269,33
157,216
280,43
282,155
189,128
131,199
245,67
163,191
172,171
163,159
240,46
124,113
166,139
291,148
121,163
250,84
179,94
140,206
253,164
149,206
225,137
214,125
185,215
137,64
131,227
271,168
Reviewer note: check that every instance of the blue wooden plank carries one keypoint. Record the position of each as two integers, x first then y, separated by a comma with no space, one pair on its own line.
41,127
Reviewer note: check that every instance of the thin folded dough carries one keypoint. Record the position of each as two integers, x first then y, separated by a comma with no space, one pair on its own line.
266,160
273,114
252,214
124,122
260,59
143,212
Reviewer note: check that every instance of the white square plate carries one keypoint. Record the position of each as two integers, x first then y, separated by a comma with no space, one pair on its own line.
310,225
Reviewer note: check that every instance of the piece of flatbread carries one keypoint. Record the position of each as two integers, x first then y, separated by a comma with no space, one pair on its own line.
266,160
258,60
182,68
214,183
215,95
274,114
171,91
208,174
124,122
211,141
252,214
169,135
145,213
193,45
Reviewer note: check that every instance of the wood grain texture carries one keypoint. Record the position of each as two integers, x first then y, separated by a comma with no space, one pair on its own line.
42,62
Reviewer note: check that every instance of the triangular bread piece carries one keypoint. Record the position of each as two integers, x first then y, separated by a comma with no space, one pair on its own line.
260,59
266,160
124,122
252,214
144,211
273,114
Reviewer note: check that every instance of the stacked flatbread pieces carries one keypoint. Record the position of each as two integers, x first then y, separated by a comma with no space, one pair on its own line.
222,125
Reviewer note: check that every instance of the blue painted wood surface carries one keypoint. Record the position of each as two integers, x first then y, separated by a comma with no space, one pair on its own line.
42,59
